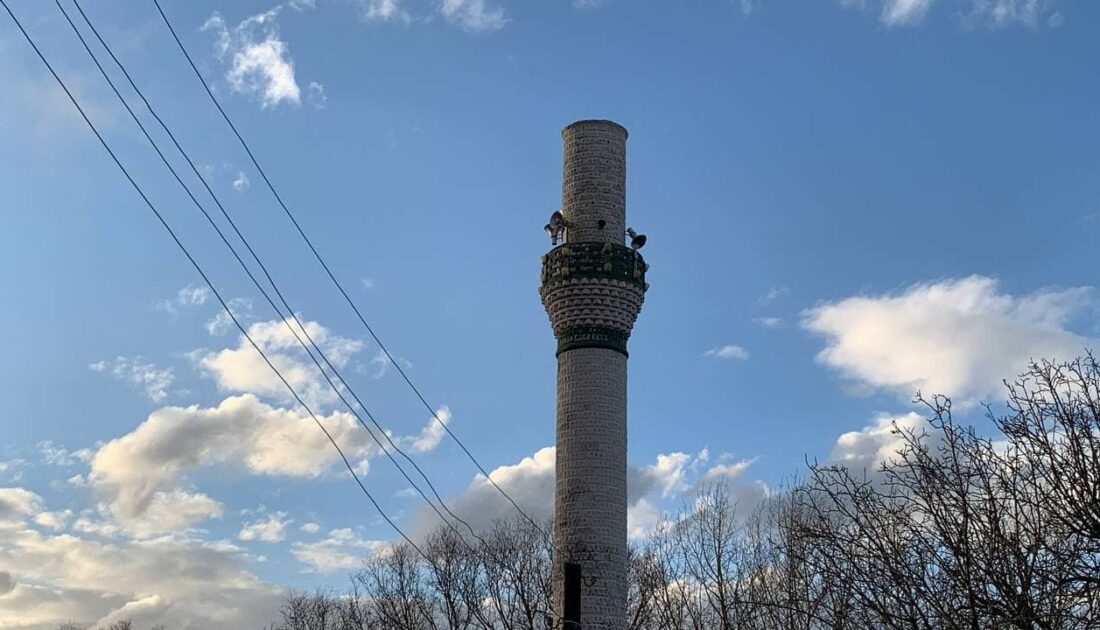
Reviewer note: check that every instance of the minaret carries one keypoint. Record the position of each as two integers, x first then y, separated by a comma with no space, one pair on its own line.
592,287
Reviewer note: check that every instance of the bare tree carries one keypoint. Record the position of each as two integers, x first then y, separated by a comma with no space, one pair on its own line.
515,561
710,540
452,573
674,596
957,531
954,532
316,611
1053,423
781,588
399,592
122,624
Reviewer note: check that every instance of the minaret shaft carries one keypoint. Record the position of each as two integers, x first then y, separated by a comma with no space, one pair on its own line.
592,288
590,492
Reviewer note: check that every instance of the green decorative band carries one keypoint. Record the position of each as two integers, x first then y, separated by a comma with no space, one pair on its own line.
593,260
576,337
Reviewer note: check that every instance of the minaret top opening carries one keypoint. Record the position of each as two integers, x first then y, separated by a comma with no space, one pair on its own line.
595,122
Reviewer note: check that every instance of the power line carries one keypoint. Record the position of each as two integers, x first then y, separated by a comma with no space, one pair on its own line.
330,274
290,311
283,317
198,268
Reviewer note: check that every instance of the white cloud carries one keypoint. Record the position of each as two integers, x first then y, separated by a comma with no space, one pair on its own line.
382,364
50,579
531,484
142,478
302,5
987,13
265,67
773,294
53,520
956,337
259,62
189,295
679,475
641,519
78,481
702,457
341,550
153,380
241,183
905,12
140,475
164,305
18,503
90,523
728,352
1000,13
137,608
473,15
270,530
727,472
769,322
381,10
223,323
432,433
874,444
192,295
316,95
893,12
12,469
668,473
310,528
242,369
167,511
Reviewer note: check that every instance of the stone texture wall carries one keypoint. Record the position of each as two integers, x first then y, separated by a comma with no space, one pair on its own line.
590,494
592,294
593,185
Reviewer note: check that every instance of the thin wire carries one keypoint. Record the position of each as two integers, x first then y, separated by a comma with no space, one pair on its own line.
255,256
198,268
332,276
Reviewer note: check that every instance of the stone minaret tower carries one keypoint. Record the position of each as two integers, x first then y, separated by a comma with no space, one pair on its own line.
592,287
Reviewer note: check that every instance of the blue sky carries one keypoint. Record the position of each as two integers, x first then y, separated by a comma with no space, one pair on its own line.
845,202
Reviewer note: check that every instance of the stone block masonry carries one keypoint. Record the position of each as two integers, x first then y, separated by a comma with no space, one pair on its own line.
593,185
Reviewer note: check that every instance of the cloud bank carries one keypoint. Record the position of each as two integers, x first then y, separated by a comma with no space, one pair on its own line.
651,488
957,337
187,584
